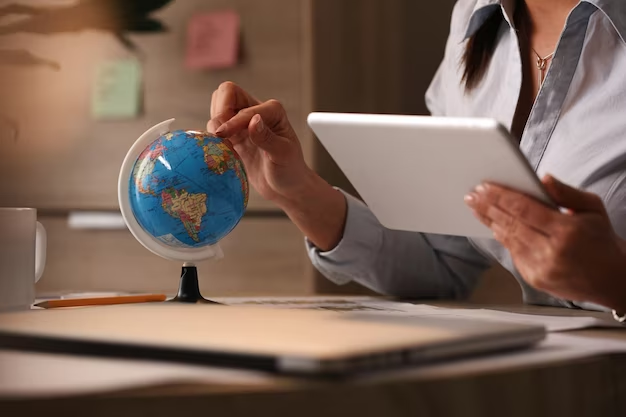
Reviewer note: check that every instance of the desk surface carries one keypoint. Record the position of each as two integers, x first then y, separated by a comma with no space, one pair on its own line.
548,381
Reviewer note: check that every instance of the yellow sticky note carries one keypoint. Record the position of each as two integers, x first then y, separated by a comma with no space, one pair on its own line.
117,90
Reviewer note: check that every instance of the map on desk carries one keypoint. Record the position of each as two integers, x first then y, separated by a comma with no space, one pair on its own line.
364,305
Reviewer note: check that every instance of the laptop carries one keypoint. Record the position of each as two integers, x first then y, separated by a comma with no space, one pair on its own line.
298,342
414,171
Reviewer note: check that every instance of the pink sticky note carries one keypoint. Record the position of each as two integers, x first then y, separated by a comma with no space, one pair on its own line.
213,40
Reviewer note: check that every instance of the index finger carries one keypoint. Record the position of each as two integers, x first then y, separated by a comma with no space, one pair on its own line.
229,100
270,112
521,206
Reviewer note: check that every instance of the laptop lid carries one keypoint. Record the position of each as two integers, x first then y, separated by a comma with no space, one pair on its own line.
275,340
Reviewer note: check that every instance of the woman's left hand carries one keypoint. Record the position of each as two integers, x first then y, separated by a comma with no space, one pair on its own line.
574,255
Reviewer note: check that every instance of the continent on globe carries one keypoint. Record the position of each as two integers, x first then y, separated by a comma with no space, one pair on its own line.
221,158
145,167
188,208
170,240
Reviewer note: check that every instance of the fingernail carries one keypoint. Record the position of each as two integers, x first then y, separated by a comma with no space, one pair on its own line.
482,188
470,200
259,123
220,130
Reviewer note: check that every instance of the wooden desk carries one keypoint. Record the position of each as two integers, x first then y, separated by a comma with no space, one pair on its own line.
587,385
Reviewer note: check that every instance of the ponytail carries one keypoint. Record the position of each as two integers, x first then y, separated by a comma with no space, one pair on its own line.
479,51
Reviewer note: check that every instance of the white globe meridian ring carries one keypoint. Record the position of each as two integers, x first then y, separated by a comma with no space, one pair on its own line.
149,242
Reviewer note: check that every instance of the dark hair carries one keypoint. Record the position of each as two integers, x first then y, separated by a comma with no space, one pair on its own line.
479,51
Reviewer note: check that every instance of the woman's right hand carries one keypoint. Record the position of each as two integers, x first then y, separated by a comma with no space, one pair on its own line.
271,152
264,139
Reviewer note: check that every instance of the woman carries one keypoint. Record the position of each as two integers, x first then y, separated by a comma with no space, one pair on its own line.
554,72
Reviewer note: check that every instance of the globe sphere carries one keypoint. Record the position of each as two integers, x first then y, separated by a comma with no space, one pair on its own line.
188,189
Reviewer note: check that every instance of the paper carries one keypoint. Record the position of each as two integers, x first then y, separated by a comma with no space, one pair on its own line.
348,304
213,40
551,323
117,90
378,306
556,348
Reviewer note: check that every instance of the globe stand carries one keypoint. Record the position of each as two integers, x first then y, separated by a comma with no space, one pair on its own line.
189,289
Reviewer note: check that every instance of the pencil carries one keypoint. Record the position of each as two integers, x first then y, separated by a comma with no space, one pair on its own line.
102,301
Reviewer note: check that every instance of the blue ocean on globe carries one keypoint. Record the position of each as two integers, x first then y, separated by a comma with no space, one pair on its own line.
188,189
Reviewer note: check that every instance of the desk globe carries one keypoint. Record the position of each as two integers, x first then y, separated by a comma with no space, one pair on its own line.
180,192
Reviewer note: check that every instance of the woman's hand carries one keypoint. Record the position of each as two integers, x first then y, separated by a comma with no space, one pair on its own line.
271,152
263,137
574,255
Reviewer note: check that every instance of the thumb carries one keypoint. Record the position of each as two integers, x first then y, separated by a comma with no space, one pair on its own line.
263,137
572,198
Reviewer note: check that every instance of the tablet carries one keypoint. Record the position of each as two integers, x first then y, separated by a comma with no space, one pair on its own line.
414,171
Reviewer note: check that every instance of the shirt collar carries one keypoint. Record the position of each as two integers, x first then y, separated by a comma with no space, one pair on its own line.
615,10
484,9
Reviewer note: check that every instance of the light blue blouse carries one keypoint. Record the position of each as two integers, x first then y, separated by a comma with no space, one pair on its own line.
576,132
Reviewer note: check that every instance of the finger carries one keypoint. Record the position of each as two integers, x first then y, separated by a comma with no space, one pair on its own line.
226,102
247,151
277,148
518,206
525,257
505,222
230,99
472,200
212,125
522,255
271,112
529,255
241,137
213,104
524,243
572,198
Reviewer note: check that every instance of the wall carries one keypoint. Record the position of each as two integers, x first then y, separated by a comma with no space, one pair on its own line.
331,55
64,160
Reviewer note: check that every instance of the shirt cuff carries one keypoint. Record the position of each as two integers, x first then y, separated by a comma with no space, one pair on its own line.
362,238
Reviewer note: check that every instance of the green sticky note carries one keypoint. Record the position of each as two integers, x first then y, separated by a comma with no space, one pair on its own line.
117,90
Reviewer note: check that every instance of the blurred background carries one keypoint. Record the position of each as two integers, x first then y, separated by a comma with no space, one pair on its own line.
80,81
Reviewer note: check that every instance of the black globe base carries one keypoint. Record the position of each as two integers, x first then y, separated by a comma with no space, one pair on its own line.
189,289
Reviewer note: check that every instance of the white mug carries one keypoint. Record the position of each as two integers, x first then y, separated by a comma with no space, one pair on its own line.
23,243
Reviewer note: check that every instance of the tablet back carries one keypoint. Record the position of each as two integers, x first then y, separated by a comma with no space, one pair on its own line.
414,171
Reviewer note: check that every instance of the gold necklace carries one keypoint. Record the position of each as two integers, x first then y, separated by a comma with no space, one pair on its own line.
542,65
